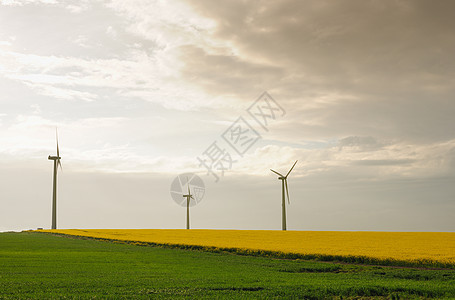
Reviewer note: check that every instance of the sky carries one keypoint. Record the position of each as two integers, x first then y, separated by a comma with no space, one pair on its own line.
361,93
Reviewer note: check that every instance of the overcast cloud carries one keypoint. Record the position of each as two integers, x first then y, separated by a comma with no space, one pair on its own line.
138,89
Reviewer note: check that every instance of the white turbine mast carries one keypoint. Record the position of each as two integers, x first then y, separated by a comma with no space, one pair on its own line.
284,187
188,199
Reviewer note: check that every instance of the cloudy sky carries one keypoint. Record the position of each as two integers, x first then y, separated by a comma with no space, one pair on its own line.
141,89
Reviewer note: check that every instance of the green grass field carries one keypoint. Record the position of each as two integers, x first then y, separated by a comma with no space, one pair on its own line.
40,266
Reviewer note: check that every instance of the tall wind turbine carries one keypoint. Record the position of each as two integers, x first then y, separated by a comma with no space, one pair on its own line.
57,164
284,186
188,199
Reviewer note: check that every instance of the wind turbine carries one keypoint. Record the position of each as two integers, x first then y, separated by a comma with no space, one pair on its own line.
57,163
188,198
284,186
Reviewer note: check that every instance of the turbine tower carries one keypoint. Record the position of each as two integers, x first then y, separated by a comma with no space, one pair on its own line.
57,164
188,199
284,186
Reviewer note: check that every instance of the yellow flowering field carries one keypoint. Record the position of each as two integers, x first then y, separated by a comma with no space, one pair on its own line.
418,247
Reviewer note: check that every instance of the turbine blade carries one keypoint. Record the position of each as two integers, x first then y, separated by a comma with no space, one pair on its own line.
188,183
56,137
291,168
287,190
276,173
59,164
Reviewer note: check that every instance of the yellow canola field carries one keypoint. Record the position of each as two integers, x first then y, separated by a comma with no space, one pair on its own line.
402,246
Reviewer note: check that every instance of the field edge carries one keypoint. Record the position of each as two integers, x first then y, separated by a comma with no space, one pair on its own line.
351,259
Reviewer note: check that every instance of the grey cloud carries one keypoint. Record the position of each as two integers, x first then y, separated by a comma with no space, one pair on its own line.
365,142
390,61
349,38
226,74
383,162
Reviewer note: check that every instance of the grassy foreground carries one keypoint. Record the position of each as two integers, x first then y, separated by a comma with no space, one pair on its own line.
42,266
430,249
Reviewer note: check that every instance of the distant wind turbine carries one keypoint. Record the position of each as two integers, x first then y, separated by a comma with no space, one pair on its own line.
57,163
188,199
284,186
